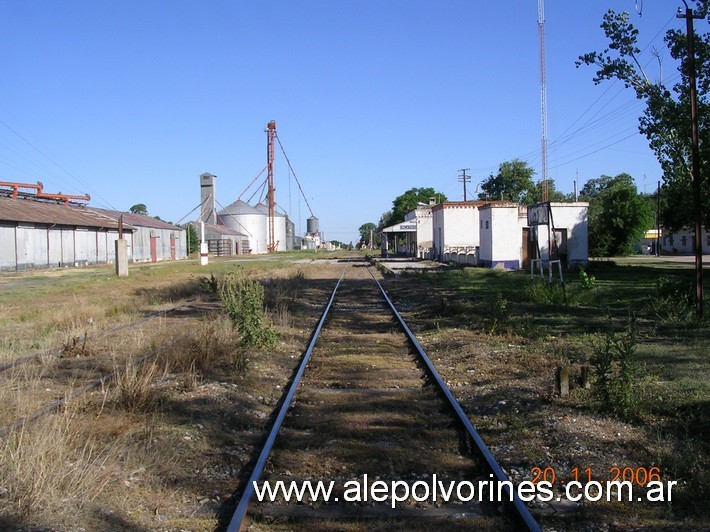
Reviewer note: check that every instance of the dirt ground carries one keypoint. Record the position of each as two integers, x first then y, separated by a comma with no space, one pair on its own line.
177,462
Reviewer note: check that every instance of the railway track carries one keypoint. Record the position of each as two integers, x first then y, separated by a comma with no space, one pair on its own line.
367,407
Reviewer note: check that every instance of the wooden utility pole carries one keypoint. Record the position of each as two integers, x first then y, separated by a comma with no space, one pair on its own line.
695,155
463,178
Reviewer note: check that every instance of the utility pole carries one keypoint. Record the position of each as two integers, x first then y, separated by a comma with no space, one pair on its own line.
695,155
463,178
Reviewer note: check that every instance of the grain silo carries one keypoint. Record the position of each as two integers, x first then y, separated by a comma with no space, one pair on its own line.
279,226
244,218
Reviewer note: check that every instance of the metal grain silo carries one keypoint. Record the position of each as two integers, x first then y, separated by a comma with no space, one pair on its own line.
279,226
246,219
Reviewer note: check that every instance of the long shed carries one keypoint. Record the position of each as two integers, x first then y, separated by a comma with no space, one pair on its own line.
37,235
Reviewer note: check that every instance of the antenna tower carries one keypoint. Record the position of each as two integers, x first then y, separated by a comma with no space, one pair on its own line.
270,193
543,94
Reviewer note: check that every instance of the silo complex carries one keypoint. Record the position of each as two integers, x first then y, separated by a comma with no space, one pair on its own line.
248,220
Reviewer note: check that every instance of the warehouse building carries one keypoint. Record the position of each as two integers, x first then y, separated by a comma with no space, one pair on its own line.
150,239
37,232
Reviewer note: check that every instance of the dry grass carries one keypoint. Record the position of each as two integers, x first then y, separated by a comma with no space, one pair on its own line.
135,390
52,469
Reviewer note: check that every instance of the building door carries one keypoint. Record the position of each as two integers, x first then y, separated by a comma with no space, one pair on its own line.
172,248
153,249
529,247
559,245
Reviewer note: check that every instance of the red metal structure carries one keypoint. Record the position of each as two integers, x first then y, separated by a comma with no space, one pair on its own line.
270,194
39,194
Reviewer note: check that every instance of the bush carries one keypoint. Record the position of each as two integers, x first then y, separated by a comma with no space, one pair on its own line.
243,301
585,280
544,293
616,370
674,300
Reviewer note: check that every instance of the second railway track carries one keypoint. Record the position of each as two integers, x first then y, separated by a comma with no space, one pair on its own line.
371,408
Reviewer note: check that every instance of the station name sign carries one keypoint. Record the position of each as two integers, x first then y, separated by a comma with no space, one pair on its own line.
539,214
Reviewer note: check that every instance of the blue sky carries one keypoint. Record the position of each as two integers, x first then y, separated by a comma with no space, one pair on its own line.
130,101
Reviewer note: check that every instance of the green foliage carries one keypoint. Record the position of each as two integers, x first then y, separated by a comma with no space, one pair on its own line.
666,120
139,208
674,301
616,370
618,216
513,182
243,301
586,281
497,314
535,195
543,293
367,231
193,242
407,202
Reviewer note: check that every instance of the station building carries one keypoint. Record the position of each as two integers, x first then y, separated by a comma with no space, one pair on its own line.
496,234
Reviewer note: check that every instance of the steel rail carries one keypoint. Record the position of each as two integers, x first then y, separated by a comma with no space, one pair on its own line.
245,499
500,475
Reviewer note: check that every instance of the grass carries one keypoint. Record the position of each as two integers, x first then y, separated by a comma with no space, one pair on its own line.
671,382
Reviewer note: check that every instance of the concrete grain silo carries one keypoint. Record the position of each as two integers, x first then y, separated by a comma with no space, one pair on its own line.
244,218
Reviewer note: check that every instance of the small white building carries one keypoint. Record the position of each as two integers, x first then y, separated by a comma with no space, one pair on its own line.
682,242
455,234
510,240
500,242
420,242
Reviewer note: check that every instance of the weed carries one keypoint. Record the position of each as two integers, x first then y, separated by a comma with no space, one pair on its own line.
498,314
76,347
243,301
586,281
616,371
673,302
544,293
134,386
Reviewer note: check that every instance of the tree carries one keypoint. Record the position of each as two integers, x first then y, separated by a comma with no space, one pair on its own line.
193,241
367,231
407,202
666,120
618,215
553,194
139,208
513,182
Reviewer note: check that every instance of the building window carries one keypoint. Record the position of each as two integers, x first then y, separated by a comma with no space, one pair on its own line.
683,240
486,224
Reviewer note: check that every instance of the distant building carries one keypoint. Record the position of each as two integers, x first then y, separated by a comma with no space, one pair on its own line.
40,234
493,234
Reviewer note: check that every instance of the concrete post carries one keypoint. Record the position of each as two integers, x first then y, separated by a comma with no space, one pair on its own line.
204,247
122,257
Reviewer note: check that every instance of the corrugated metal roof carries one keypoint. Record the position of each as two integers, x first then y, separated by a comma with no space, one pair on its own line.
135,220
29,211
219,229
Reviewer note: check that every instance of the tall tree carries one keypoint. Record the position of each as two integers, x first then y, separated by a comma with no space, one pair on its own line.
139,208
513,182
407,202
618,215
666,120
553,194
367,231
